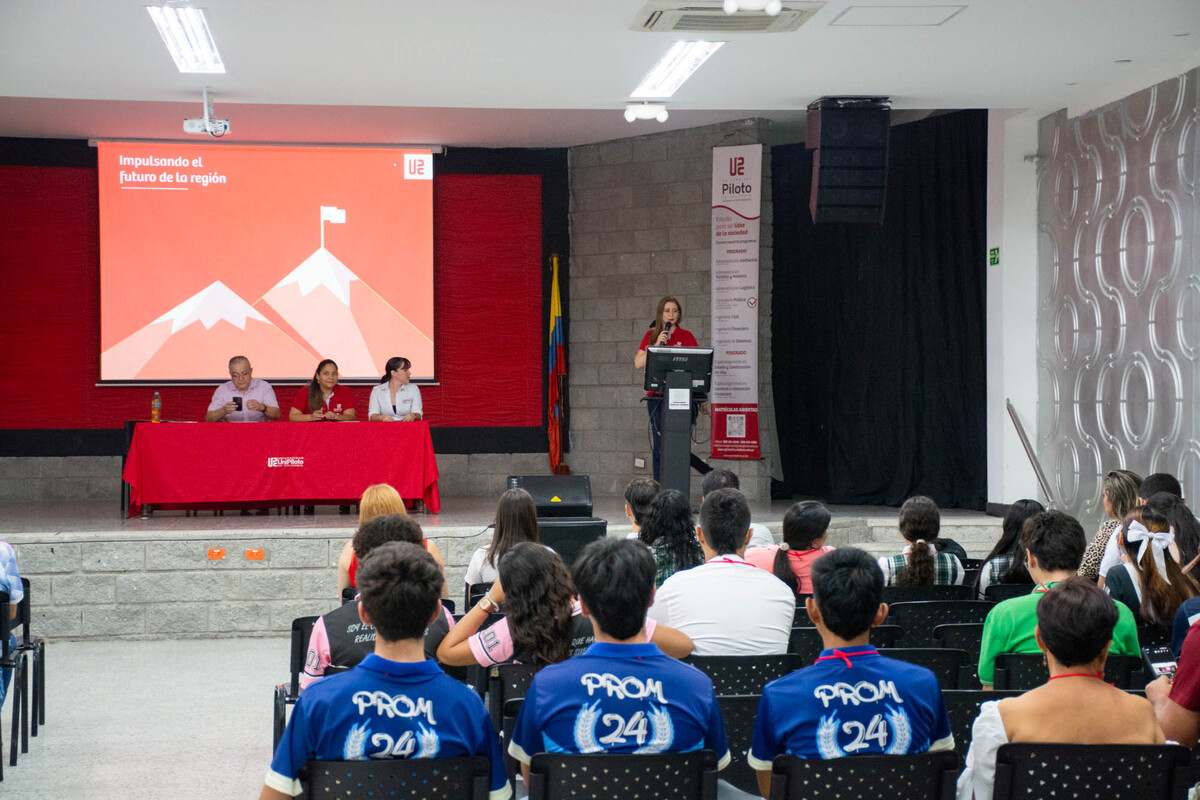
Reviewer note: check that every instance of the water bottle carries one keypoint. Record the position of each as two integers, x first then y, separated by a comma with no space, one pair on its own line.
156,408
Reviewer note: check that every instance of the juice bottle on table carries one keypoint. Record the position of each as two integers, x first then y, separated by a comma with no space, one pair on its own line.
156,408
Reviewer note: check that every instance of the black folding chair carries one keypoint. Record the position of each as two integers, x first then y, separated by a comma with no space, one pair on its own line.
738,713
1110,771
962,706
999,592
663,776
929,775
806,642
36,646
913,594
970,577
472,592
967,636
398,779
1154,636
801,618
289,693
920,618
506,682
1028,671
971,563
508,724
744,674
944,663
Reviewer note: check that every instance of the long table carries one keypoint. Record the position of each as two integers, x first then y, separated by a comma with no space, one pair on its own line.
215,463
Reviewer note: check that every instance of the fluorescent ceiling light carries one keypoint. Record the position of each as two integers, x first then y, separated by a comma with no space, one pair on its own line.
665,78
184,30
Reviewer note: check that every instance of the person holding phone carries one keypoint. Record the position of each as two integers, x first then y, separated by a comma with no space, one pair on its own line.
395,399
665,331
323,398
242,398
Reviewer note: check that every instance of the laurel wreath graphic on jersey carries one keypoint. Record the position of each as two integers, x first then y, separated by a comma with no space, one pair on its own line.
652,732
893,726
355,748
662,732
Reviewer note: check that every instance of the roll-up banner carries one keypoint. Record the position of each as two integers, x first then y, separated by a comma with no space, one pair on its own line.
736,206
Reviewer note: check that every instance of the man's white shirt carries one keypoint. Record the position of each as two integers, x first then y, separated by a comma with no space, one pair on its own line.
728,607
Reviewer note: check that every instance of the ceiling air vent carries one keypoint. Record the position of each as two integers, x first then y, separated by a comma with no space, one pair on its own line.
708,17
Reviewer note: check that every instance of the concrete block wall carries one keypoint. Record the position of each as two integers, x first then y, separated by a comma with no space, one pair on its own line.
640,229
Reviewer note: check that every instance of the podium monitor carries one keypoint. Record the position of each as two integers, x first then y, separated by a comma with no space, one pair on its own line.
661,361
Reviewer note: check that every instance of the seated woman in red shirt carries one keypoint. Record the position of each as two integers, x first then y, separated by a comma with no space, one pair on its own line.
323,398
804,527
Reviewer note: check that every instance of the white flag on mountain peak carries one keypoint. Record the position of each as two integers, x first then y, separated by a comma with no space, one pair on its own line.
333,214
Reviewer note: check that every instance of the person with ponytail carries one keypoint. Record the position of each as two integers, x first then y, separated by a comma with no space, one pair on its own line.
804,527
1006,562
1149,580
395,398
1185,525
921,564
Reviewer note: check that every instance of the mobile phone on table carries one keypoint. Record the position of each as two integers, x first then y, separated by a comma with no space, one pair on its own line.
1160,660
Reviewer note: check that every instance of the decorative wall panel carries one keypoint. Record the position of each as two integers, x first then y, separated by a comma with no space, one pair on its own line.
1119,293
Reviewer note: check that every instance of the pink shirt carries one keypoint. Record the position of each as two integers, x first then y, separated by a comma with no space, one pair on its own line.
494,645
801,562
258,390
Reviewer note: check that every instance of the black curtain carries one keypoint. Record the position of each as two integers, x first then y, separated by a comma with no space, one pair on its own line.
879,331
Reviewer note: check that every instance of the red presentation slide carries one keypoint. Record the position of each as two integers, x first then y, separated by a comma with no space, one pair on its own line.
287,255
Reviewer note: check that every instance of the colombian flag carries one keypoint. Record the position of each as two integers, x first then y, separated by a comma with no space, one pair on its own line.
557,361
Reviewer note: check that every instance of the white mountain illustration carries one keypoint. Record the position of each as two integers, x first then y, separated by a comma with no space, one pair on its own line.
174,345
212,304
322,268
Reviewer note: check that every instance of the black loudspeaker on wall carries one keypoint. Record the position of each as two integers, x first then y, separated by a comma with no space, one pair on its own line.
557,495
849,140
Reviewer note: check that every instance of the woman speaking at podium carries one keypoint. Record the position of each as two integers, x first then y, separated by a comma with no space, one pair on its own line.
665,331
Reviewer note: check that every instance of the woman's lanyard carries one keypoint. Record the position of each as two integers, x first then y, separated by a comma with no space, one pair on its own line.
841,655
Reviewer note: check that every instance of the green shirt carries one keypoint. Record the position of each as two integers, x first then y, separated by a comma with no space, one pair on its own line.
1009,629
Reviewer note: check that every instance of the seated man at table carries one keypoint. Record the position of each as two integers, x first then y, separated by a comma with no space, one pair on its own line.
395,703
243,398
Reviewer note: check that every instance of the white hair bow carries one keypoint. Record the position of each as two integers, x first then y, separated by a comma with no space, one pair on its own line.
1158,542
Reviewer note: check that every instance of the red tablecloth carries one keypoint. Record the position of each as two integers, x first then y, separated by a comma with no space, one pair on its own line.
224,462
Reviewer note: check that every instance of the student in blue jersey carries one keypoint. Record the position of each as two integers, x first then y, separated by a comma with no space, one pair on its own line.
852,701
394,704
621,695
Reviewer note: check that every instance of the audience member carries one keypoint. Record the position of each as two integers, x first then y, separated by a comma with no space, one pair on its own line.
621,695
340,638
1177,699
542,623
639,494
1148,579
516,521
242,398
323,398
804,527
1187,616
1075,626
1183,522
1119,493
1159,482
378,500
10,583
1006,562
852,701
922,563
352,716
760,535
668,531
726,606
1053,543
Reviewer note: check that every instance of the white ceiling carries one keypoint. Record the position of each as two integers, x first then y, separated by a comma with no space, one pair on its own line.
551,72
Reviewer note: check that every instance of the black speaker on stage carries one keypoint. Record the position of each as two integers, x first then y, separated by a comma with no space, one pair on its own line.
557,495
849,140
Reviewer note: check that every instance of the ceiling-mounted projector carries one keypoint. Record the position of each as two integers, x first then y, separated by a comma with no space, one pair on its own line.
208,123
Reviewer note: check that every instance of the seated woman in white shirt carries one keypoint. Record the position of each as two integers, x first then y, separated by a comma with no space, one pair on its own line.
395,399
1075,622
516,522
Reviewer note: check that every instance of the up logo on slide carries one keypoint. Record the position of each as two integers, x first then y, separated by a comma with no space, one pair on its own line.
418,167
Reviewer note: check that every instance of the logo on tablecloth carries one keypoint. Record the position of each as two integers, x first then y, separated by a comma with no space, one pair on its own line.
284,461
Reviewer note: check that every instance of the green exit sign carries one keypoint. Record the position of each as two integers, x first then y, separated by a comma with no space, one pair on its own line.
994,256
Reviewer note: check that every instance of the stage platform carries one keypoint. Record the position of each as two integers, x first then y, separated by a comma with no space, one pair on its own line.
96,574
